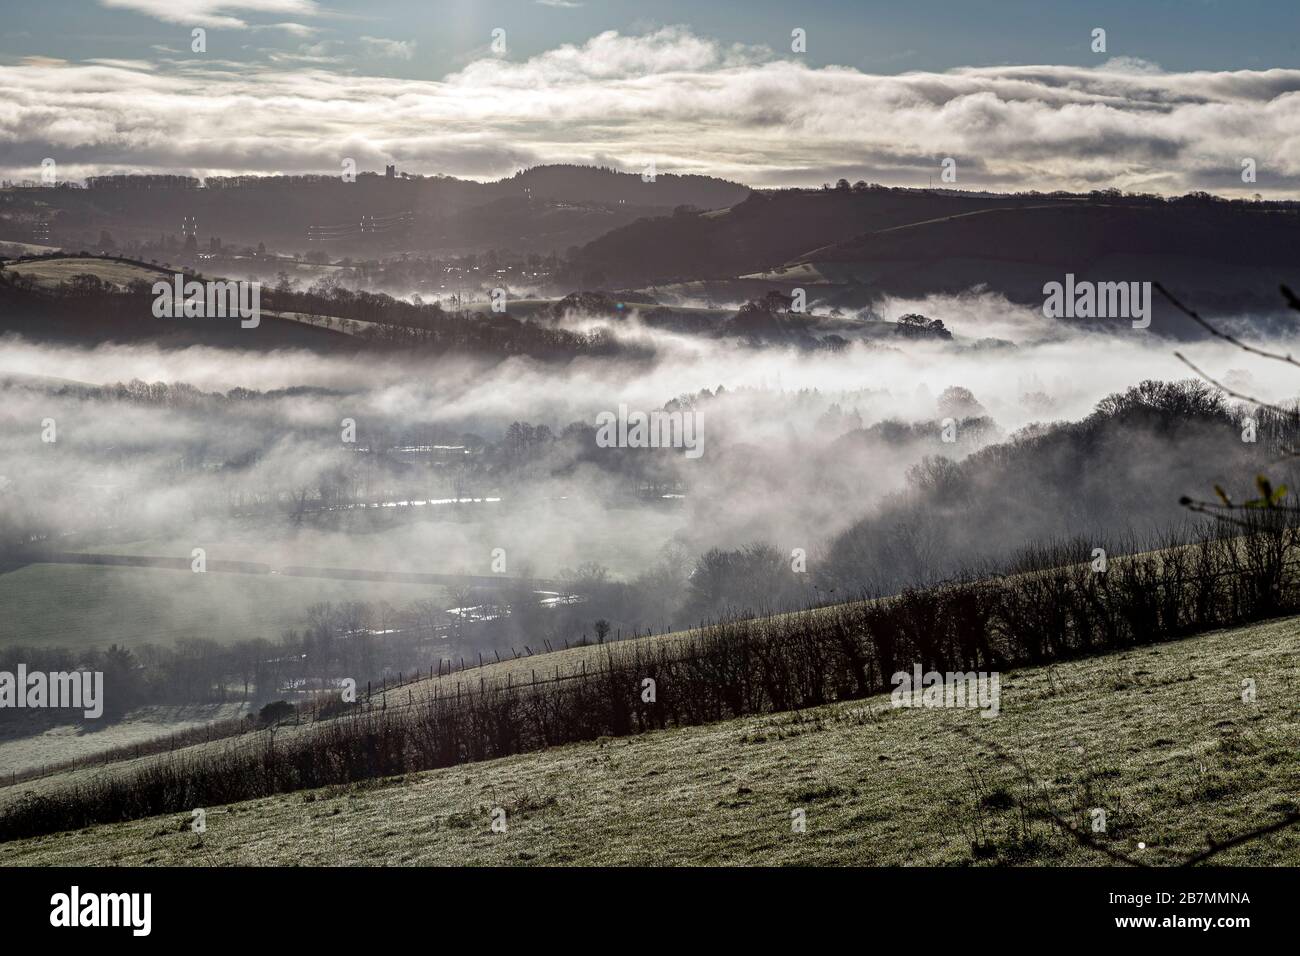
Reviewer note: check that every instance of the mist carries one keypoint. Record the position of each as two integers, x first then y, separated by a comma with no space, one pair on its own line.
794,454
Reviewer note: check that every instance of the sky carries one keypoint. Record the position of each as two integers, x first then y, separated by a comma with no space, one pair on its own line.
1013,92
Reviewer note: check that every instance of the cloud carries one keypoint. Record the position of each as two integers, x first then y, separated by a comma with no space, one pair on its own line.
293,29
315,54
213,13
396,49
689,102
561,4
125,64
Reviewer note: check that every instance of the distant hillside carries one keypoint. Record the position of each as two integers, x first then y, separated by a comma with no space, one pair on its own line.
761,233
116,272
89,299
587,184
1226,256
852,248
544,209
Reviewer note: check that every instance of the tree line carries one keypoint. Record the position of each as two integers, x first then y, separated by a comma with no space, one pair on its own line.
1062,608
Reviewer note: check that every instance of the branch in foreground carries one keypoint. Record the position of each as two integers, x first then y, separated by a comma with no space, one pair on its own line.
1240,395
1253,350
1291,819
1088,841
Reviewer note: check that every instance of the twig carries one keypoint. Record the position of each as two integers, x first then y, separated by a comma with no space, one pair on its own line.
1289,413
1291,819
1263,353
1210,508
1084,838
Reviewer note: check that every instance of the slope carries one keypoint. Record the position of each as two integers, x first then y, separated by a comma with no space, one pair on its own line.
1158,737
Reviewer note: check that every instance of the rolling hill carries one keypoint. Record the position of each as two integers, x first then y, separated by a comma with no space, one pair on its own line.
116,272
1158,737
543,209
853,248
761,233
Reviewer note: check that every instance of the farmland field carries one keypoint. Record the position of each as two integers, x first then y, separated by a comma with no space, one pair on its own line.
73,741
591,435
53,271
1158,736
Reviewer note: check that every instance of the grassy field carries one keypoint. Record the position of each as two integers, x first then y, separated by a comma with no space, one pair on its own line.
46,745
1158,737
327,322
55,746
530,308
54,271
